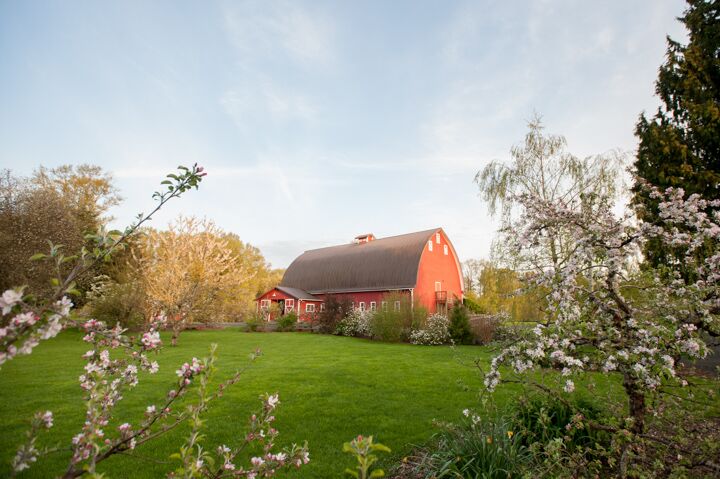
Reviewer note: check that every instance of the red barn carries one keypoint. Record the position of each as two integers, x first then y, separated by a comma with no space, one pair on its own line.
423,266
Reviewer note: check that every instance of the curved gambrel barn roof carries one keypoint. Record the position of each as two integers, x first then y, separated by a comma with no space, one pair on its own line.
382,264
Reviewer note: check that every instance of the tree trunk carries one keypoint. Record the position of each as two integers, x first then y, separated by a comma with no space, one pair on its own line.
636,400
176,334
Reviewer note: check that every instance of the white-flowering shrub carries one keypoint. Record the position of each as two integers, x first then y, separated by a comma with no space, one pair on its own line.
434,332
356,323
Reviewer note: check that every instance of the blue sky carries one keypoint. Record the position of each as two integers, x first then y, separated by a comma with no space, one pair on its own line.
316,120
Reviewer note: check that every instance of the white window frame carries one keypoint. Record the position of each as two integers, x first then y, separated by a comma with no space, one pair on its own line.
430,245
438,286
373,306
322,307
437,238
361,306
309,307
289,305
265,304
383,305
352,306
396,307
445,249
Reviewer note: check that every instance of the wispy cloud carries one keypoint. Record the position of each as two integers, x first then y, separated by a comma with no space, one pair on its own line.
281,28
265,100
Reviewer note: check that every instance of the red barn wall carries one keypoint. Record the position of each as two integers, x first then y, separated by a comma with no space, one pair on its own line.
435,266
366,296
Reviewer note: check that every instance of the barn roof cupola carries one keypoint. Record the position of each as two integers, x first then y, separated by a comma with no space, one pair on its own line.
366,238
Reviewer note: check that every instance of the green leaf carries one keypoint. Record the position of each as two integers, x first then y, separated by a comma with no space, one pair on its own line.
55,282
38,256
377,473
380,447
166,182
352,473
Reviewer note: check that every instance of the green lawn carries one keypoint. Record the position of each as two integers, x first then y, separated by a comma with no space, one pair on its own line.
331,389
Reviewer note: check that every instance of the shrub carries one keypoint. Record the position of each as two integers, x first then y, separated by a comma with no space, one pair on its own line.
484,328
336,307
434,332
460,326
287,321
356,323
475,448
541,419
387,326
115,303
254,320
396,325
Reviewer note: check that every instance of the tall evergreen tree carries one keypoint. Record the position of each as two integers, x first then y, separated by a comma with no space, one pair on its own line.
680,145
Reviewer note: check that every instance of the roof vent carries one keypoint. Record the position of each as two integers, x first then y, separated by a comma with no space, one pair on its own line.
366,238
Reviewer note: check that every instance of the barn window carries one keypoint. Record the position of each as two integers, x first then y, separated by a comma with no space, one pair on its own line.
384,305
373,306
289,304
445,249
264,304
437,238
438,286
397,305
430,245
362,305
309,308
322,307
352,306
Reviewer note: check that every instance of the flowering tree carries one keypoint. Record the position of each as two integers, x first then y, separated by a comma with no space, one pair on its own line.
608,315
187,270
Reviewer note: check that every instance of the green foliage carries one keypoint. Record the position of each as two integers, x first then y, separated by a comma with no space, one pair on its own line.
471,303
115,303
680,145
387,326
287,322
254,321
394,325
503,292
362,448
460,326
476,448
541,419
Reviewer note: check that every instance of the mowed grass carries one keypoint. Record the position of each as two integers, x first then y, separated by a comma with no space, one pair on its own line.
331,389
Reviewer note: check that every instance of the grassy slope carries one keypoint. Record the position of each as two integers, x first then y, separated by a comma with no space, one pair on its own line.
331,389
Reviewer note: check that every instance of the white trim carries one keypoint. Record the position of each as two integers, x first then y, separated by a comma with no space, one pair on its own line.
373,306
430,246
322,307
307,308
438,286
396,307
384,306
437,237
361,306
291,306
445,249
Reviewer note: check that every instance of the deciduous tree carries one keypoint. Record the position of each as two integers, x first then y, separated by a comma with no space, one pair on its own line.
542,167
188,272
